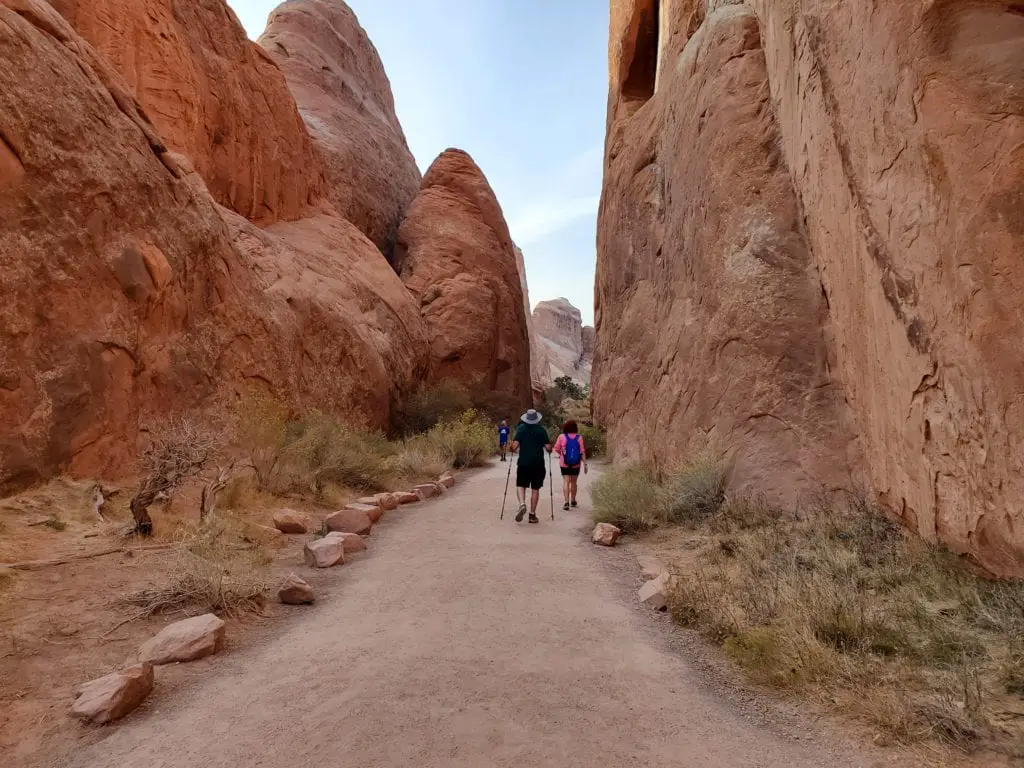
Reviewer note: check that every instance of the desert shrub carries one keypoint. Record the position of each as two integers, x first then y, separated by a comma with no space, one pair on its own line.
570,388
262,420
445,402
463,442
837,599
419,459
319,451
495,406
595,440
696,489
629,498
216,569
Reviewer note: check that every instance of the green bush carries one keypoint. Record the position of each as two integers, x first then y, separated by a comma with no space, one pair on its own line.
419,460
464,442
320,451
629,498
696,489
595,440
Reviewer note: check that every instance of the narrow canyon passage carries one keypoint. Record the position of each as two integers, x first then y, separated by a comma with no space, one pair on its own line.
461,641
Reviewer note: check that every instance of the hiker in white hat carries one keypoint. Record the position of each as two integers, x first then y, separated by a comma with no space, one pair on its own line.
531,441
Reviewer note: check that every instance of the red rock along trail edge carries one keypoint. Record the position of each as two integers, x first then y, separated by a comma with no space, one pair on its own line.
461,641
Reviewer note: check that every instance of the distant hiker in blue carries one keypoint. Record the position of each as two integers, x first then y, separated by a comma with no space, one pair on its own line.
503,432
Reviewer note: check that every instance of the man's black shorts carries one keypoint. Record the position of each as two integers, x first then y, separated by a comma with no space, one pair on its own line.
530,476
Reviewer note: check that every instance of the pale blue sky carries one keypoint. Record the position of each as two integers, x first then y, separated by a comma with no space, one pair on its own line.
522,86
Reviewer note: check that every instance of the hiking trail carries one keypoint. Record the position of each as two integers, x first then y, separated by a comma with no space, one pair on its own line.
461,641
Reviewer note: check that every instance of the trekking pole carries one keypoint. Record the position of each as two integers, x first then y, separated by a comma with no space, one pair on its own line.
505,496
551,487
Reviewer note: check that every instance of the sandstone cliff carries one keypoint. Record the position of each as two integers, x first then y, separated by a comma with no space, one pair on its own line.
540,366
212,95
817,206
455,255
131,295
560,330
345,98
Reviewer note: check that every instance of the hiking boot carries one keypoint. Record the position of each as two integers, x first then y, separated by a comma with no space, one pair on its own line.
534,518
521,514
574,504
565,507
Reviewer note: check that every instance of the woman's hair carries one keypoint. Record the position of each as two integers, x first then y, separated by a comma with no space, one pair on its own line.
570,427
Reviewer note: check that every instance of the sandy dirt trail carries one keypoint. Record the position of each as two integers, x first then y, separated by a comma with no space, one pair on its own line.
461,641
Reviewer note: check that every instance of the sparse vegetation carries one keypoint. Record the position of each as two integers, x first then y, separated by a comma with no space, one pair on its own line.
429,407
55,524
177,453
836,601
212,572
595,440
463,442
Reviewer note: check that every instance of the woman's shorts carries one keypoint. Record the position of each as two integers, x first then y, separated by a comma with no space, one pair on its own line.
571,471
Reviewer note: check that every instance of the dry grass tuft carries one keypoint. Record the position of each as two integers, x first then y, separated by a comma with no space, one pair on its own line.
219,568
839,602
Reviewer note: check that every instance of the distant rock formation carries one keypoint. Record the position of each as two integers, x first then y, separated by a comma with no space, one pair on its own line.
455,255
540,366
559,326
345,98
808,253
212,95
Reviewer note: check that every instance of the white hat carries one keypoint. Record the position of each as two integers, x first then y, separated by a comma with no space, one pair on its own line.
532,417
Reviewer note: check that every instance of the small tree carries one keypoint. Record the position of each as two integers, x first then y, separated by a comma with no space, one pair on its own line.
177,453
570,388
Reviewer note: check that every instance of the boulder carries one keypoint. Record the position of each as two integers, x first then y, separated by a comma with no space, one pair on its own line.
343,93
407,497
426,491
654,594
114,696
447,480
174,303
372,511
651,567
185,640
295,591
559,327
324,553
605,534
808,247
353,541
386,501
289,521
213,95
350,521
456,257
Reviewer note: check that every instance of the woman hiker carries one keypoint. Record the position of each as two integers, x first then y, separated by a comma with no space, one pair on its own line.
572,454
532,441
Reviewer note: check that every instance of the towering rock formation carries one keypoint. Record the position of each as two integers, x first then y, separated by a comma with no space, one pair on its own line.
540,366
809,251
212,95
455,255
130,295
345,98
560,329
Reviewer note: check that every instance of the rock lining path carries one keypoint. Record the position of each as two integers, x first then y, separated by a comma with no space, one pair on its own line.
461,641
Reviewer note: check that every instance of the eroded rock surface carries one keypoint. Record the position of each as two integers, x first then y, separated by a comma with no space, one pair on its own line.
212,95
809,252
131,296
559,327
455,255
344,95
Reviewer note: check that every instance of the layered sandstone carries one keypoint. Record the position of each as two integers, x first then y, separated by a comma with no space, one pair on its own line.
344,95
131,296
455,255
540,366
212,95
832,261
560,329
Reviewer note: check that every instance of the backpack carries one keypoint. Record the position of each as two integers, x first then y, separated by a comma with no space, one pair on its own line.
572,452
